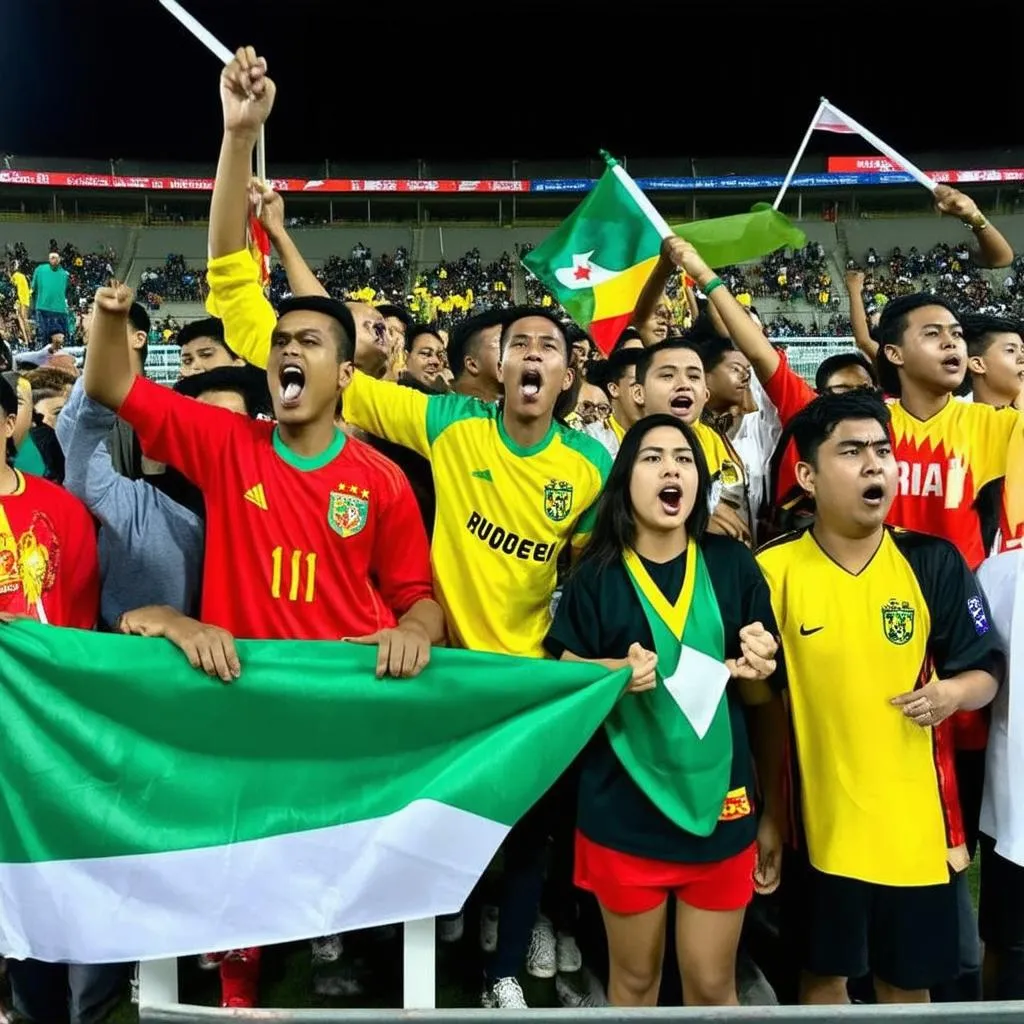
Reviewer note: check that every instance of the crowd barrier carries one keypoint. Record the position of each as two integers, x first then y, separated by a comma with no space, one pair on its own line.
158,1004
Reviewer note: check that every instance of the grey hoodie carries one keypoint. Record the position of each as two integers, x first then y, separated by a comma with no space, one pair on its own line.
151,548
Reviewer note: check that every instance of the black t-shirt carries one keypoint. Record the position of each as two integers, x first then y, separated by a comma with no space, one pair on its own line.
599,616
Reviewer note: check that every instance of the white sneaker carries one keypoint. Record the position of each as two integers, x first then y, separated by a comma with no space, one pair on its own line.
450,929
489,929
568,957
541,960
327,949
504,994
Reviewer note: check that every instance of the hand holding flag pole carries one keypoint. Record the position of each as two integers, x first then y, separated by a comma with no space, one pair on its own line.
225,56
829,118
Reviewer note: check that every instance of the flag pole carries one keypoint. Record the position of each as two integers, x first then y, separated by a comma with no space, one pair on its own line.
799,155
637,195
901,162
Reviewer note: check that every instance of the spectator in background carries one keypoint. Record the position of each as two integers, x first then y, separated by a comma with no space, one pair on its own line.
22,297
425,357
50,301
474,356
203,347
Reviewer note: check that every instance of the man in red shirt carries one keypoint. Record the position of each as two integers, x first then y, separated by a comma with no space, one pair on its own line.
49,567
49,571
309,534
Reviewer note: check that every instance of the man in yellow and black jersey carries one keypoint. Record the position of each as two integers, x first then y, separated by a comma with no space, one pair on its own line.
670,379
886,635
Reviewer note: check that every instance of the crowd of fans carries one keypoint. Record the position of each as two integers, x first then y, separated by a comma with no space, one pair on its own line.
175,281
688,511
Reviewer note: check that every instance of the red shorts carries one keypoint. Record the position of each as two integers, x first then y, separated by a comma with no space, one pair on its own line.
626,884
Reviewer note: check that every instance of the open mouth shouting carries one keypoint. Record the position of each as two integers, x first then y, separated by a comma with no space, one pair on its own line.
681,404
952,364
530,382
671,498
292,378
873,496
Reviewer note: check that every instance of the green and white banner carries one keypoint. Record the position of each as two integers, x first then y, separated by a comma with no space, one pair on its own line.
147,811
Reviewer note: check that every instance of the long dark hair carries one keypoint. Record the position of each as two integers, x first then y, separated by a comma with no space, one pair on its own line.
615,527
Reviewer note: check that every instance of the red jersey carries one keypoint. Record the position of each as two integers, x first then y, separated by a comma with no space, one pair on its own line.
296,548
944,462
790,394
49,565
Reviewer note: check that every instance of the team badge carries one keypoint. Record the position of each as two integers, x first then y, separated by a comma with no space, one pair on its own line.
347,513
977,612
557,500
898,622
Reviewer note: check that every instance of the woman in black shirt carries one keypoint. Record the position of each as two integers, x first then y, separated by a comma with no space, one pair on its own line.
667,791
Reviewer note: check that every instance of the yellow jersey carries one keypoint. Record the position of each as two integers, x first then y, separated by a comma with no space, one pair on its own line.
878,795
236,296
504,513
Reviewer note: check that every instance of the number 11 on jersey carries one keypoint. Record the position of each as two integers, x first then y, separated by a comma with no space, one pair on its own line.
297,578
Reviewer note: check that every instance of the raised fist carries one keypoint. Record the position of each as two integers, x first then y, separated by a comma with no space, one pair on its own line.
114,299
246,94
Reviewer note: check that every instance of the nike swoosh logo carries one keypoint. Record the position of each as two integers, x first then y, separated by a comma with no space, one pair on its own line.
483,474
804,631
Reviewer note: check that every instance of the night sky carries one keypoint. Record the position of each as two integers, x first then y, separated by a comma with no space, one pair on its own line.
121,79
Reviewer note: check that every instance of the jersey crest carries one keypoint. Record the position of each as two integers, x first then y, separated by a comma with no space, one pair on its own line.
557,500
347,513
898,622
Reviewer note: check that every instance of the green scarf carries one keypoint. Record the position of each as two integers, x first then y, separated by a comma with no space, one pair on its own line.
685,775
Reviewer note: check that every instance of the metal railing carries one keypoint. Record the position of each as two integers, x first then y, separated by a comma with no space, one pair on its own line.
944,1013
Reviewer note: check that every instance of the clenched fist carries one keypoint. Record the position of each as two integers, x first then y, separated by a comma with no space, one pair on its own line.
246,93
757,653
683,255
115,299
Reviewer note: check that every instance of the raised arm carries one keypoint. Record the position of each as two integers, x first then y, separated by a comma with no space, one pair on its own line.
247,96
858,314
993,249
108,367
745,334
301,280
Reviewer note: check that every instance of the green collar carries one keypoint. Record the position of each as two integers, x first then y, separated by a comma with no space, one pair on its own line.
309,463
518,449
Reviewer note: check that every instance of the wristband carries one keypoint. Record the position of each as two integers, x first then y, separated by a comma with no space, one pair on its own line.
978,223
714,283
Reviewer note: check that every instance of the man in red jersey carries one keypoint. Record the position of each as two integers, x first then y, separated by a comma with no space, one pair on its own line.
295,544
49,571
301,521
49,568
946,450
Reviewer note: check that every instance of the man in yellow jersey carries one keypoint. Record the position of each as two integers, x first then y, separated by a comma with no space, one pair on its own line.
670,379
513,485
886,635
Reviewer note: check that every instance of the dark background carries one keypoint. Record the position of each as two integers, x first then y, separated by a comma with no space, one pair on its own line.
381,80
